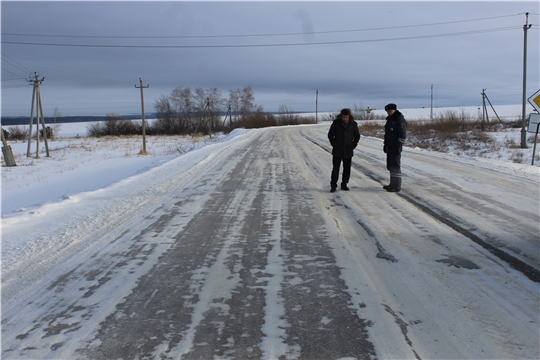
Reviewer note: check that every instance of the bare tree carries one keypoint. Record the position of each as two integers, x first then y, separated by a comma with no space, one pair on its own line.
215,104
201,110
55,127
164,108
246,102
286,116
234,102
183,102
168,122
200,100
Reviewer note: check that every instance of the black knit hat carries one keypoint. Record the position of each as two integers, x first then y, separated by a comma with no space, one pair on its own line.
390,107
345,112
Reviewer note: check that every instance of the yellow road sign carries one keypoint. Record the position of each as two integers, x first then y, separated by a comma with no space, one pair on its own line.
534,100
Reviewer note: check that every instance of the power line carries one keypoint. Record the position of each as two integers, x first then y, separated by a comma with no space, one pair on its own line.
11,74
77,71
259,35
15,64
14,86
471,32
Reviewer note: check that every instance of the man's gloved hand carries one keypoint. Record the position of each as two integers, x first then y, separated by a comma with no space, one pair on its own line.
384,148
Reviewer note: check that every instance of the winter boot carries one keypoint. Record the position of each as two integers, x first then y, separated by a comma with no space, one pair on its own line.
395,183
385,187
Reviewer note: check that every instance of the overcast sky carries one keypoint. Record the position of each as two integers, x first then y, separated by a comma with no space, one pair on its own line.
364,53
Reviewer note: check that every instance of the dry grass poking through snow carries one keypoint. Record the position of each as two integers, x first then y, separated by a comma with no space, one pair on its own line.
106,147
460,133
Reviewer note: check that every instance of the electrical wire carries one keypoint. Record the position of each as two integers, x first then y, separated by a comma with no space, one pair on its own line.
259,35
471,32
13,86
52,67
11,74
253,35
14,64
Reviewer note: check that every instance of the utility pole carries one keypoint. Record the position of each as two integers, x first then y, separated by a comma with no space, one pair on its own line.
209,117
143,121
484,110
523,118
316,105
36,96
484,98
431,111
6,150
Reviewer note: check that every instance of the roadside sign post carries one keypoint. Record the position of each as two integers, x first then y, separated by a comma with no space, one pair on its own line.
534,123
534,100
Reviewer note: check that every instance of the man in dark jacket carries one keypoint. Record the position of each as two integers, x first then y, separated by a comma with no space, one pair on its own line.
395,133
344,137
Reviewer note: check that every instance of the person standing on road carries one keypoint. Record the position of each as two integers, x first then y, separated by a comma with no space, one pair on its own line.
395,133
344,137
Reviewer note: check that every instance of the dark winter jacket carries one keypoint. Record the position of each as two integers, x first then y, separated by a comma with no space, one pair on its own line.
395,131
344,139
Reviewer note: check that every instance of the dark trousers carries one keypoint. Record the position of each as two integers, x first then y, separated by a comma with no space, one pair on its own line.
336,162
393,160
393,164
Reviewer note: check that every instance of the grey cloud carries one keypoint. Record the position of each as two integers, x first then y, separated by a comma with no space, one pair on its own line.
346,66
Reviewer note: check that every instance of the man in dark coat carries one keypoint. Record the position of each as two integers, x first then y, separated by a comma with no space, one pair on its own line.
395,133
344,137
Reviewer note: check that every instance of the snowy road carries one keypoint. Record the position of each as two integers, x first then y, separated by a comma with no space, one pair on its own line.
247,255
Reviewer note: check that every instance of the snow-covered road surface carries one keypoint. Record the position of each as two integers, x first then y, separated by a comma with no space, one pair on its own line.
247,255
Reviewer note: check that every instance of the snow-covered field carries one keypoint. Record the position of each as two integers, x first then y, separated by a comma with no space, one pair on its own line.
444,286
82,164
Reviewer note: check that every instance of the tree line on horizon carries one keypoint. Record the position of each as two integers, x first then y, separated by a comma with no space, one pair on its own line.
187,111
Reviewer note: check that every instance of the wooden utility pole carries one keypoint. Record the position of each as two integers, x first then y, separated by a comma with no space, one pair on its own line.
143,152
36,96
